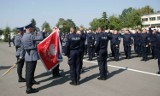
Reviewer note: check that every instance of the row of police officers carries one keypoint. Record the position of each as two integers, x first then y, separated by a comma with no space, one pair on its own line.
98,43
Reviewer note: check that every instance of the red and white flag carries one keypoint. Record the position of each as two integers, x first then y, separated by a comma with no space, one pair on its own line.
50,50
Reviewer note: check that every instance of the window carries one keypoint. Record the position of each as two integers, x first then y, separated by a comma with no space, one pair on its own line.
144,19
152,18
158,18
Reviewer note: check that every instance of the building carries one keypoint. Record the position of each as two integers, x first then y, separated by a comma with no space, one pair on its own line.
151,19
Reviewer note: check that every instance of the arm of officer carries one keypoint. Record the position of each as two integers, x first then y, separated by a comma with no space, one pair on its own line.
67,46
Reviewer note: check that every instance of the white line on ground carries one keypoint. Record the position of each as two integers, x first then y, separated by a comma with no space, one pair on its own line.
129,69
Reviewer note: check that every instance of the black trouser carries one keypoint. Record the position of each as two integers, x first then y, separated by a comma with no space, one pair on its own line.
139,50
74,63
20,67
81,55
102,62
55,71
30,69
116,51
153,48
90,53
112,50
127,50
135,48
144,52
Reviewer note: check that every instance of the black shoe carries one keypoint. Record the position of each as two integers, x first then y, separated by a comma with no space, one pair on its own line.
73,83
101,78
129,58
31,90
35,82
158,72
77,83
126,58
22,80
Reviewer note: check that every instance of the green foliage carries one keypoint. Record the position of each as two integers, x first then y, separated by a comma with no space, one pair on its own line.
145,10
5,33
33,21
95,24
1,31
46,26
115,23
65,25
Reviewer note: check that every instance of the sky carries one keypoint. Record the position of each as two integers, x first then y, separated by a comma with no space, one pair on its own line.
17,13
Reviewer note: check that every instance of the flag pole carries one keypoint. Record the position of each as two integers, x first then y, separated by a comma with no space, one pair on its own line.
8,70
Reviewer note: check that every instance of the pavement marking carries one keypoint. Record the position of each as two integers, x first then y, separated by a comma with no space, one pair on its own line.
129,69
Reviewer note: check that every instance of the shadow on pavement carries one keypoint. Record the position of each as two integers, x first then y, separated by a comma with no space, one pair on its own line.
65,76
4,67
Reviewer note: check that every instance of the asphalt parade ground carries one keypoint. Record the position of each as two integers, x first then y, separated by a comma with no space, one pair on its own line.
127,77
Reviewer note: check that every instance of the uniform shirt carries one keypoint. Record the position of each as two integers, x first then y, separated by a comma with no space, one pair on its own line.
18,44
115,39
74,42
90,39
29,43
137,38
102,41
145,39
158,40
127,39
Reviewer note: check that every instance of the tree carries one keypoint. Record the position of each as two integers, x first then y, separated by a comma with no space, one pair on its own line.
46,26
65,25
1,31
5,33
115,23
145,10
104,21
95,23
134,19
33,21
124,17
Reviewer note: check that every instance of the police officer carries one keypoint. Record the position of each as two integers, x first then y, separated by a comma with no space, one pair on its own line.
84,48
9,40
31,56
137,43
127,43
115,41
101,49
19,49
153,43
145,43
73,50
90,44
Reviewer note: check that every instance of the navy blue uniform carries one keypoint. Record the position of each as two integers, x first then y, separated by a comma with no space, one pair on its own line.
145,43
137,43
153,43
115,41
90,45
158,49
101,48
73,50
127,42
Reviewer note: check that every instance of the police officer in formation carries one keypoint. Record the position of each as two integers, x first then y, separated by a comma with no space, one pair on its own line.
19,49
153,43
73,51
90,44
101,48
115,41
29,40
127,43
137,42
145,44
